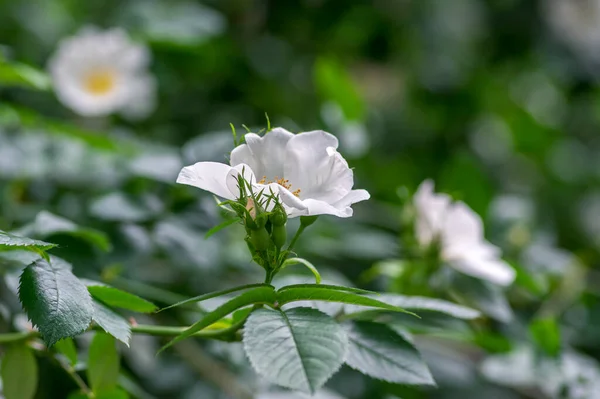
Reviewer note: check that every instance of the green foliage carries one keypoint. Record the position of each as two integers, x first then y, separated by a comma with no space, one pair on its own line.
21,75
335,84
379,352
19,373
103,363
304,345
111,322
9,242
120,299
66,346
55,300
546,334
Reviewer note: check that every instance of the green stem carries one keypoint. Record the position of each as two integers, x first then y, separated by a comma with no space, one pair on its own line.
295,238
168,331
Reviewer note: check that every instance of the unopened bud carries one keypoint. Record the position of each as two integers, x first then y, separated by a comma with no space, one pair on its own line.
255,219
260,239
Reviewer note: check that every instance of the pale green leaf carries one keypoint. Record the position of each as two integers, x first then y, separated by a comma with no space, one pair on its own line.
103,363
10,242
121,299
20,75
67,347
379,352
55,300
299,348
19,373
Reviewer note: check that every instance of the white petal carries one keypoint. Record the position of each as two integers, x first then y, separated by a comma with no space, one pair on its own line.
431,211
462,226
315,207
264,154
209,176
352,197
492,269
313,165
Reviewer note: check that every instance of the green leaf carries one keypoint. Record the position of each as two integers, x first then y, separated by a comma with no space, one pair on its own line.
103,363
10,242
221,226
335,84
34,122
111,322
546,334
482,295
21,75
379,352
417,303
47,224
19,373
215,294
305,263
121,299
67,347
327,294
55,300
115,393
299,348
330,287
264,295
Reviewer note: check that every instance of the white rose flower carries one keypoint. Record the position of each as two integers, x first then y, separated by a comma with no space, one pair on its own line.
459,232
97,73
304,170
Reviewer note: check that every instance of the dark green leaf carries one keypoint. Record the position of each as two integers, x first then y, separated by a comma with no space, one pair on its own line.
47,224
67,347
329,287
265,295
121,299
111,322
298,348
379,352
19,373
215,294
103,363
546,334
55,300
318,293
482,295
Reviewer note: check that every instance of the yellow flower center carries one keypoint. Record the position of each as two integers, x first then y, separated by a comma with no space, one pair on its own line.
99,82
282,182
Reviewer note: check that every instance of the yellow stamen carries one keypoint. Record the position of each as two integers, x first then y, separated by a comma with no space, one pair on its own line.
285,183
99,82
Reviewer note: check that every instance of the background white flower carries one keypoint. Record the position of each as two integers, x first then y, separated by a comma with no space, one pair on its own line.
305,170
459,231
97,73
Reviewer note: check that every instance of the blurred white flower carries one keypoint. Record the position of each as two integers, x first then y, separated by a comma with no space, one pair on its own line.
97,73
459,232
304,170
577,22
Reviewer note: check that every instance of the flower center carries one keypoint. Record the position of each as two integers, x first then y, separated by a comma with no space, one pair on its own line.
282,182
99,82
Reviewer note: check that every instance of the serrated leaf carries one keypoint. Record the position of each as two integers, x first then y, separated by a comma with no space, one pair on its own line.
111,322
55,300
327,294
417,303
265,295
379,352
67,347
299,348
103,363
19,373
10,242
121,299
47,224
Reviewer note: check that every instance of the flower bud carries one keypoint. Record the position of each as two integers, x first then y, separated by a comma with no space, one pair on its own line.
260,239
255,217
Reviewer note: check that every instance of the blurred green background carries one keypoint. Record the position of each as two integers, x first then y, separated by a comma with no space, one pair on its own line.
496,100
